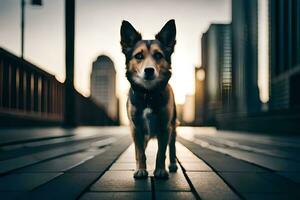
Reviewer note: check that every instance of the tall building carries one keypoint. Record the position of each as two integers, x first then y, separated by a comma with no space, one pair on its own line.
245,56
279,52
103,85
216,61
265,52
284,28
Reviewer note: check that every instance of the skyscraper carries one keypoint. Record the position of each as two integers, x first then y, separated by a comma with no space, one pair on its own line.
103,85
216,61
284,54
245,56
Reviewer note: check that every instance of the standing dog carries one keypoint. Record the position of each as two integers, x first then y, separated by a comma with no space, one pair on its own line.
151,105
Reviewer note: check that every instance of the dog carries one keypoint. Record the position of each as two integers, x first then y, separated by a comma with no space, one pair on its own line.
151,105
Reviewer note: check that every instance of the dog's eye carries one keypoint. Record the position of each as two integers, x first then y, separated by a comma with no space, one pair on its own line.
139,56
157,56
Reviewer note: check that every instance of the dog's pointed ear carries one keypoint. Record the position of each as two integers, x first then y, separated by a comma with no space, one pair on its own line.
129,37
167,35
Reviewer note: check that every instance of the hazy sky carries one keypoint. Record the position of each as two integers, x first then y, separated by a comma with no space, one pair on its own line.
98,32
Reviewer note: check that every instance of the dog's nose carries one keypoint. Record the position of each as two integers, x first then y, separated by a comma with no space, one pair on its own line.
149,72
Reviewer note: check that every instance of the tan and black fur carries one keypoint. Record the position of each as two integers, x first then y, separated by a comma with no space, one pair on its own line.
151,105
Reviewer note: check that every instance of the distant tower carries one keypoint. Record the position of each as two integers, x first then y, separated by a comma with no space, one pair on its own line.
103,85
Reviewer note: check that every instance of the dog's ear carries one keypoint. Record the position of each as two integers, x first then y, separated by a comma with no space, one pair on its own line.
167,35
129,37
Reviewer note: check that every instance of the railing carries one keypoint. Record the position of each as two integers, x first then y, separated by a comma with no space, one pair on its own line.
31,96
89,112
27,91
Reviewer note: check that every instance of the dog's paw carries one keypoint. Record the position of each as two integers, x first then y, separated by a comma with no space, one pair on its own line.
173,167
140,174
161,174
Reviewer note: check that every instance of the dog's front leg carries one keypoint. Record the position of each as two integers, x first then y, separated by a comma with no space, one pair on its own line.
172,151
160,168
139,144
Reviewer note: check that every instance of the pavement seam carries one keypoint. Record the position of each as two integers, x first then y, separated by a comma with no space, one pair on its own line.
39,162
152,188
267,170
33,140
218,174
58,176
220,150
48,159
49,147
193,190
106,169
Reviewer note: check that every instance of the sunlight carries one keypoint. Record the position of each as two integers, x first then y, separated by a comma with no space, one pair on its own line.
263,51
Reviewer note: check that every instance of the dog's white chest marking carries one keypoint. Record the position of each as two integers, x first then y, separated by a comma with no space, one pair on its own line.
150,121
146,112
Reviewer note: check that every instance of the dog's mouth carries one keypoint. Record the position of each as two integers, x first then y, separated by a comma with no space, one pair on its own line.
149,77
148,82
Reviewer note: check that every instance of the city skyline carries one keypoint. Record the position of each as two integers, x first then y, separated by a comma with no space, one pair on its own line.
97,32
238,135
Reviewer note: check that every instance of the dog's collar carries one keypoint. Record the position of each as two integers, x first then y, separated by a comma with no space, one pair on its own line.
146,98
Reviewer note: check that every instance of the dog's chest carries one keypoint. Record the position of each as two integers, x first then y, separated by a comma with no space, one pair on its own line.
150,121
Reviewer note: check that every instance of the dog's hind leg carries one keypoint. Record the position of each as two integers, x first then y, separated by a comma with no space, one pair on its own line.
140,145
160,168
172,151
